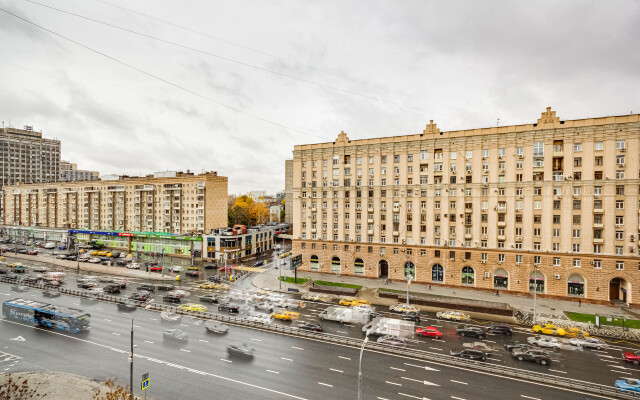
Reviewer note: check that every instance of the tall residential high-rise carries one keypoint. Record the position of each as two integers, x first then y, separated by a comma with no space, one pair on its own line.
551,205
27,157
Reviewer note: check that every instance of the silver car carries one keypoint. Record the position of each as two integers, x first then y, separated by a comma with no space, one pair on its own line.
589,342
392,340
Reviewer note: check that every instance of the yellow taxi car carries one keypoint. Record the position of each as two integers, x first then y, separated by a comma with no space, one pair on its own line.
193,307
15,264
222,286
193,268
576,333
109,254
102,253
285,315
452,316
353,302
549,329
208,285
94,253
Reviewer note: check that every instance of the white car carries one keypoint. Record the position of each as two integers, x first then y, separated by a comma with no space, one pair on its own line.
363,308
95,290
452,315
403,307
541,341
40,269
176,268
94,260
50,245
588,342
133,266
479,346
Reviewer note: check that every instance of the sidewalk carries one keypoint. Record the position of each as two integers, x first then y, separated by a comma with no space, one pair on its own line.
544,307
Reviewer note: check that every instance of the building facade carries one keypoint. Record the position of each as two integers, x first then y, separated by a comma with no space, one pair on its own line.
231,244
27,157
551,205
168,202
69,172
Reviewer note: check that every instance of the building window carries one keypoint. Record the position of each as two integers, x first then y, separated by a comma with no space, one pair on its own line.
468,276
619,265
437,273
556,261
597,264
598,146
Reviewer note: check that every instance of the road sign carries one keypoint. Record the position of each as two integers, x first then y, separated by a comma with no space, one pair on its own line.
145,376
145,384
296,261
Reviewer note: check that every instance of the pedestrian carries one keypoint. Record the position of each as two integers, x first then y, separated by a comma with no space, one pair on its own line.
497,293
429,286
386,281
579,302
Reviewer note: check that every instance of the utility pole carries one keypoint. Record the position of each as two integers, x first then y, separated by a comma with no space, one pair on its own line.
131,365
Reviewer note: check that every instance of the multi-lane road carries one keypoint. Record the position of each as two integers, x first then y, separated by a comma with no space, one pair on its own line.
285,367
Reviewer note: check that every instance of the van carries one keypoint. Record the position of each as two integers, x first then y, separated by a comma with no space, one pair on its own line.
50,245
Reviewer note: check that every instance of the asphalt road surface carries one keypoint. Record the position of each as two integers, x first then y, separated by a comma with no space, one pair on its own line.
283,368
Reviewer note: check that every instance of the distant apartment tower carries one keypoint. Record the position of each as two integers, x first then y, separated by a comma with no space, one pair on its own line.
69,172
169,202
26,157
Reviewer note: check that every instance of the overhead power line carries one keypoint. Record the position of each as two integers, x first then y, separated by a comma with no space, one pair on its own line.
249,65
163,80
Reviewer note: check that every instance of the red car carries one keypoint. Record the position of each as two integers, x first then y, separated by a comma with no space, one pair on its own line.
32,252
632,356
155,268
429,331
227,268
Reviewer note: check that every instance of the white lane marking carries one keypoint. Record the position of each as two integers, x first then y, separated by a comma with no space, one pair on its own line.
115,333
98,308
344,358
527,397
424,382
297,348
617,366
393,383
349,325
462,383
490,341
202,340
422,366
273,372
382,398
154,319
185,350
184,325
398,369
225,360
257,340
108,320
457,398
412,396
336,370
494,359
286,359
621,372
136,326
555,370
146,341
612,361
324,384
436,348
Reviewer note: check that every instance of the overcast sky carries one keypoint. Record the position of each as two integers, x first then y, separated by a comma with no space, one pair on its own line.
242,82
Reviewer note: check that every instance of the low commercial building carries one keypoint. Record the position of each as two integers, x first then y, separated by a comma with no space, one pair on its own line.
167,202
238,242
69,172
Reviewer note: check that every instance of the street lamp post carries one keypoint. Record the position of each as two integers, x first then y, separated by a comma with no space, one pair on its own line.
364,342
535,291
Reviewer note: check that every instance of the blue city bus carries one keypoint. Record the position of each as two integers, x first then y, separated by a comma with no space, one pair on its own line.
46,315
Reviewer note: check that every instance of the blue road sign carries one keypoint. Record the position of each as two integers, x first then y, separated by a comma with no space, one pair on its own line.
145,384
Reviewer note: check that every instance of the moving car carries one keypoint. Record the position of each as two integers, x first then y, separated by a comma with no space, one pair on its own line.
500,329
193,268
516,345
240,350
216,327
632,356
588,342
230,308
549,329
285,315
429,331
113,288
148,288
541,341
316,297
19,288
471,331
411,316
403,307
166,287
628,385
353,302
133,266
176,268
171,298
175,335
392,340
533,355
126,306
51,293
479,346
264,306
210,266
575,333
208,286
193,307
170,317
308,326
452,315
471,354
87,285
140,296
193,273
32,252
209,298
155,268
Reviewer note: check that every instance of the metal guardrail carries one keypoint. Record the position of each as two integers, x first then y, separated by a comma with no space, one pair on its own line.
509,372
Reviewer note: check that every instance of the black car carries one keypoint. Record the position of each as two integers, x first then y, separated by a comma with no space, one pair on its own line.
500,329
148,288
71,257
175,335
51,293
22,251
87,285
516,345
11,277
171,298
193,273
3,271
140,296
308,326
471,331
230,308
32,279
210,266
411,316
125,306
114,288
240,350
120,263
533,355
471,354
209,298
215,279
166,287
259,263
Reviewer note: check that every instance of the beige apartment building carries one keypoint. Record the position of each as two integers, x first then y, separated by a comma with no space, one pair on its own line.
173,202
551,205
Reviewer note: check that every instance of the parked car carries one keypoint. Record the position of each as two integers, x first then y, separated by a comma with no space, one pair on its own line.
175,335
32,252
533,355
452,315
474,331
471,354
240,350
210,266
94,260
392,340
429,331
588,342
541,341
216,327
500,329
176,268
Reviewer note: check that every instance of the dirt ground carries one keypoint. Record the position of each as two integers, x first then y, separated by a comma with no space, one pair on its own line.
59,386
